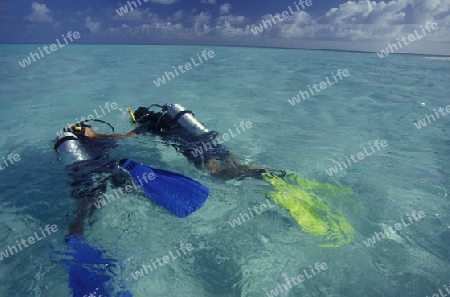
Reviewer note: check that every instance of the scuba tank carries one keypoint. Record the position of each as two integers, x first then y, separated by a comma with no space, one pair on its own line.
72,144
185,118
71,148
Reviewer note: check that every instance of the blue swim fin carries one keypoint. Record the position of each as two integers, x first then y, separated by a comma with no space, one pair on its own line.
175,192
89,272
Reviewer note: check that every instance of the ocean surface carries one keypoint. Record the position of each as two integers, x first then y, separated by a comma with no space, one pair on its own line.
379,99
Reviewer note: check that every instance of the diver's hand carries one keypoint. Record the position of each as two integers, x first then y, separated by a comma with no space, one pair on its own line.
88,132
91,134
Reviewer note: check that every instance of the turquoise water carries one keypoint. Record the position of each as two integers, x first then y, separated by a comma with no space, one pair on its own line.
380,100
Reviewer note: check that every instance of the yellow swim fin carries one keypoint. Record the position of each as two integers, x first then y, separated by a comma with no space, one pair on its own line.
300,197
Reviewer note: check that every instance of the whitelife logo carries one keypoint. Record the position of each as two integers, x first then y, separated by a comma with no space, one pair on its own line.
416,215
31,240
108,106
184,248
360,155
318,268
11,158
53,48
124,9
423,123
323,85
441,293
108,198
169,75
246,217
225,137
284,15
411,38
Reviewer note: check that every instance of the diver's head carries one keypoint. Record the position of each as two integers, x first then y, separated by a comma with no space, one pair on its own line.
142,114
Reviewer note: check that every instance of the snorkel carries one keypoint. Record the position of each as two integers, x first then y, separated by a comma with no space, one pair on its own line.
132,117
143,114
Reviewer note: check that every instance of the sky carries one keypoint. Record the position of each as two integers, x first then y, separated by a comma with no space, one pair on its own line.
336,24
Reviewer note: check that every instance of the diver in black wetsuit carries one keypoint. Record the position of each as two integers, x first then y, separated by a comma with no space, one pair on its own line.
88,163
177,126
90,167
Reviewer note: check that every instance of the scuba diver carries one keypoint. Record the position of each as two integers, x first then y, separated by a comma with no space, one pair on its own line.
178,127
88,163
90,167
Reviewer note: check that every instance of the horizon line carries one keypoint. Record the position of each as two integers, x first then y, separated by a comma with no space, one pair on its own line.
250,46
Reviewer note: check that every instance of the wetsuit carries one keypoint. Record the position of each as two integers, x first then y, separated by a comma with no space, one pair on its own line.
197,149
200,146
88,163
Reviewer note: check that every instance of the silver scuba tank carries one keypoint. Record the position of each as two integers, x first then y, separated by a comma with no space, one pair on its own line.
72,150
187,120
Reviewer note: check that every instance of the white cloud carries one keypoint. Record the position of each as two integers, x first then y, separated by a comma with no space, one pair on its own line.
362,20
156,29
232,19
200,21
166,2
427,10
301,18
209,1
392,12
366,12
360,25
178,15
135,15
227,30
300,25
40,13
91,25
225,8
